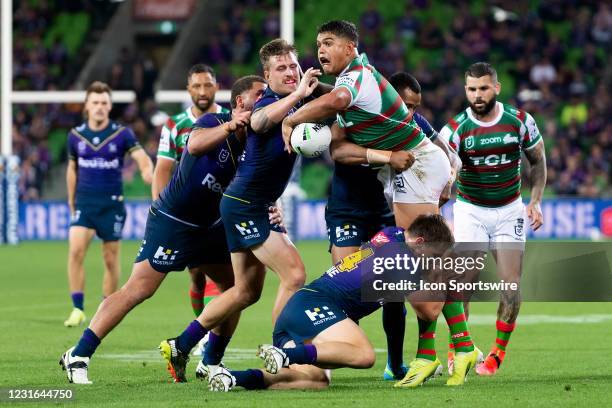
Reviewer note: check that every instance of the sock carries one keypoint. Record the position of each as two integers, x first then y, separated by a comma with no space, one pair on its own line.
451,345
87,345
394,323
77,299
190,337
210,291
215,349
197,301
460,335
427,340
249,379
504,330
302,354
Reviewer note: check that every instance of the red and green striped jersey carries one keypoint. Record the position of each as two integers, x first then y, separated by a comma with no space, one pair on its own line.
491,154
376,116
172,140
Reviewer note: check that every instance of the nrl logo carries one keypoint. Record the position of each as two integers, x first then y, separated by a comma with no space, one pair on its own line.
469,142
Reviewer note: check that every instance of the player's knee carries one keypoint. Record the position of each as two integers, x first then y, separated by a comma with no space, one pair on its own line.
367,358
248,297
77,253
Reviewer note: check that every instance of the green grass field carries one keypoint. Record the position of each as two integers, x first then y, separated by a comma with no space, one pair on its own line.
559,355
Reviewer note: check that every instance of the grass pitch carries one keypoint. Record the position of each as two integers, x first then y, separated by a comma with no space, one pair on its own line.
558,356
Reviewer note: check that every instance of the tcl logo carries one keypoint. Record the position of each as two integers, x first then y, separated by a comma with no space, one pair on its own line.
490,160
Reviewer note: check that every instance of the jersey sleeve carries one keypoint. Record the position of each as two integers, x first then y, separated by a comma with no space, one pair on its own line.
72,152
450,135
130,142
350,80
167,141
530,134
425,126
209,120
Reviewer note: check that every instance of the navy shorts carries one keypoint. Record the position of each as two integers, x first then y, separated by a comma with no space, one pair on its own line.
246,224
170,245
307,313
104,214
346,230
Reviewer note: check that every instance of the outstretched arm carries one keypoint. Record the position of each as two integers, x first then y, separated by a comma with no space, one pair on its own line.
266,118
145,165
537,177
202,140
321,108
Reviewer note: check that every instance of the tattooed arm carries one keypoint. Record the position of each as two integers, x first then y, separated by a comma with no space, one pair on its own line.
537,177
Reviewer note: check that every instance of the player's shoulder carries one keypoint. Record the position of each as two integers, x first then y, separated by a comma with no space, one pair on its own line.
79,129
456,122
209,120
515,113
268,97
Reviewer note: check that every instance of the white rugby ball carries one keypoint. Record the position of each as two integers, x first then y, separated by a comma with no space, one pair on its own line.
311,139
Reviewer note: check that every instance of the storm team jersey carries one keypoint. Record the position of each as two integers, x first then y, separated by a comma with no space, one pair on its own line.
173,137
99,157
265,167
491,154
376,116
195,190
343,282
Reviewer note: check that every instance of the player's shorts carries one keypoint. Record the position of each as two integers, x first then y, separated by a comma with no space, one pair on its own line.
104,214
506,224
423,182
346,230
246,224
306,314
170,245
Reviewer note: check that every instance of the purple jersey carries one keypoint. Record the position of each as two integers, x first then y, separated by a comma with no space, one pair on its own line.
99,157
343,282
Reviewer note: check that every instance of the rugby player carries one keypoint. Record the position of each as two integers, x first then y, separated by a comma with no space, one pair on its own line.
202,87
318,328
373,116
179,233
490,137
96,149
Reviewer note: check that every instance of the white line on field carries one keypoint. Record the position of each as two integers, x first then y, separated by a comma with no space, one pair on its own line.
238,354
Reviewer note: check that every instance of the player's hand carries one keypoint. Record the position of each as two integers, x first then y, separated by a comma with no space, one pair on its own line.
275,215
308,83
238,121
401,160
287,129
534,212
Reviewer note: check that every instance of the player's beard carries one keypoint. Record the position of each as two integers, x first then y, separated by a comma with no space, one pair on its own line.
484,110
204,104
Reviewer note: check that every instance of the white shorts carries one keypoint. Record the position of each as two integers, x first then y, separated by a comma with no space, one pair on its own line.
506,224
423,182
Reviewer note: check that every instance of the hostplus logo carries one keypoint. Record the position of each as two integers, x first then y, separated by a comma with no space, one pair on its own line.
164,256
247,229
320,315
345,232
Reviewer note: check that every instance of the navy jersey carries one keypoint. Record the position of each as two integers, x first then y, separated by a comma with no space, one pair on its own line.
265,166
343,282
425,126
99,157
355,188
195,190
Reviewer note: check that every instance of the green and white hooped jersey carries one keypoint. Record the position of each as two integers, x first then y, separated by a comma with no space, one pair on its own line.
376,116
491,154
174,133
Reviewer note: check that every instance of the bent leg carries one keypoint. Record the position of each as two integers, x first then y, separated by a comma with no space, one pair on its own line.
279,254
343,344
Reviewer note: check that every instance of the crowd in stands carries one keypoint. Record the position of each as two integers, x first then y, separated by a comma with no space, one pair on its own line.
551,59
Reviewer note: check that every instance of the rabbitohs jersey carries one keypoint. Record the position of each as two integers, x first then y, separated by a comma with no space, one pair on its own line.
376,116
491,154
173,137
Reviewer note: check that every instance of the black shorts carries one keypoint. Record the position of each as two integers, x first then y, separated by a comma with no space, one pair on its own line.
103,214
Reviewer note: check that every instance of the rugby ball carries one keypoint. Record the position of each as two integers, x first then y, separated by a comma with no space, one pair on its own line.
311,139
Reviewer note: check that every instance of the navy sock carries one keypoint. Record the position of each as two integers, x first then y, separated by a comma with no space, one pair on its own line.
215,349
190,337
87,345
249,379
77,299
394,323
302,354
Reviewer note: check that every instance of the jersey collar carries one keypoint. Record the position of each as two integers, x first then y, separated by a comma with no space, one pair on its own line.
500,107
360,59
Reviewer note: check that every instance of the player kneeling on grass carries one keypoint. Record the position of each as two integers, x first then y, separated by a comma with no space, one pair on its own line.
318,329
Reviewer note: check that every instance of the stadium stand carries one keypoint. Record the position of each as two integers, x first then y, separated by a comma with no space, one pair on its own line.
551,61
